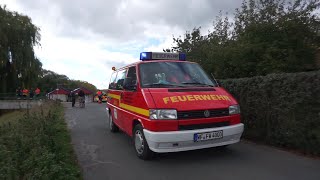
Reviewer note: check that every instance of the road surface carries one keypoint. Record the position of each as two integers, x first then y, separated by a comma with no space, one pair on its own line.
104,155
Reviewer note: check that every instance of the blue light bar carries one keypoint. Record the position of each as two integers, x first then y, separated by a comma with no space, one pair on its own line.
145,56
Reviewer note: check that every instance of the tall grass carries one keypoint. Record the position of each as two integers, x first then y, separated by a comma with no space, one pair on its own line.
37,146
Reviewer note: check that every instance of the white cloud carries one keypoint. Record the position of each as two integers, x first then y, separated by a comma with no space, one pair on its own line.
84,39
80,59
166,43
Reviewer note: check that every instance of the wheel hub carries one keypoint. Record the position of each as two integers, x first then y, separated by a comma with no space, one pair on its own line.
139,143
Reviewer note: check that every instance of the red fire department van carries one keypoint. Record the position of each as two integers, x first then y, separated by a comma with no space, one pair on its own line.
167,104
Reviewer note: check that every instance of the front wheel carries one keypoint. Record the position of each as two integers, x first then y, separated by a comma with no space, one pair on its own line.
113,128
140,143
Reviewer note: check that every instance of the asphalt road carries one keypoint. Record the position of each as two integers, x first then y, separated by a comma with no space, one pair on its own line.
103,155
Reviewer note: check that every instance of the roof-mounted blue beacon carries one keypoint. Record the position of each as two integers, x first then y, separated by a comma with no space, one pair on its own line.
148,56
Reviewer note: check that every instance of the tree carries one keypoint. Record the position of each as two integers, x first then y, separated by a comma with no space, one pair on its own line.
265,36
277,35
18,64
50,80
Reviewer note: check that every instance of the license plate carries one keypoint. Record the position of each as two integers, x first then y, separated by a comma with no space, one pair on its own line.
207,136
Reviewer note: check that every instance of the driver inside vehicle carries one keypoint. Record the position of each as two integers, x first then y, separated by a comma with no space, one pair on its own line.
167,78
148,78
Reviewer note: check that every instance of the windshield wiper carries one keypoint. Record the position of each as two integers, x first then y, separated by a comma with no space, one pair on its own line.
162,85
197,83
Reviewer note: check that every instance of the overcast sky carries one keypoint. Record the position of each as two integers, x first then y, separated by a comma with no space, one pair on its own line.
83,39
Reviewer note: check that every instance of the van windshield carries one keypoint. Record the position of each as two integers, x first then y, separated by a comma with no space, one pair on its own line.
173,74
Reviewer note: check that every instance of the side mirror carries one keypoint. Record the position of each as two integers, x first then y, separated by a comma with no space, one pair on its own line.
130,84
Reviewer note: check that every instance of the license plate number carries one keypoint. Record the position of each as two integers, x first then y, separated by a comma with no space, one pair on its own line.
207,136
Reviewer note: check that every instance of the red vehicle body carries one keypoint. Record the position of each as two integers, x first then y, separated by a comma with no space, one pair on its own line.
170,117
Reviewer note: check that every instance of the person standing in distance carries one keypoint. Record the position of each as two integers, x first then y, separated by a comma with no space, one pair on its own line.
73,98
81,98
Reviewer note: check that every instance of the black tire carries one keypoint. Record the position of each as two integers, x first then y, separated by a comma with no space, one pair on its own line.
142,150
113,127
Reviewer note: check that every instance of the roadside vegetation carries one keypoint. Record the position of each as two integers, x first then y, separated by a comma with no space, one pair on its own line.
37,145
10,116
262,37
280,109
265,55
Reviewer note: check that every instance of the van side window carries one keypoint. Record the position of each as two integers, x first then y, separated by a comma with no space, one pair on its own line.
120,79
112,84
132,76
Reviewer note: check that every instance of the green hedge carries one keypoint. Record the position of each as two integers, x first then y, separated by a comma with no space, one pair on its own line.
280,109
37,146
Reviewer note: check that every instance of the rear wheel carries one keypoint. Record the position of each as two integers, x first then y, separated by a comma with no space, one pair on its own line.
113,128
140,143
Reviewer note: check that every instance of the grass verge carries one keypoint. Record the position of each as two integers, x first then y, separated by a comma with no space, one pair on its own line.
11,117
37,145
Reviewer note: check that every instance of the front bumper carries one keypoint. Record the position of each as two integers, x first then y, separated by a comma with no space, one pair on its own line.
174,141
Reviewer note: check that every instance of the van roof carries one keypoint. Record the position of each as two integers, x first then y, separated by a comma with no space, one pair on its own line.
150,61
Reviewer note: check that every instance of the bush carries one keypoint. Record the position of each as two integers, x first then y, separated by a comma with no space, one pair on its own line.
280,109
37,146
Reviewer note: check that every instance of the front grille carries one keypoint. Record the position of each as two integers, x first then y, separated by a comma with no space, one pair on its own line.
203,126
200,114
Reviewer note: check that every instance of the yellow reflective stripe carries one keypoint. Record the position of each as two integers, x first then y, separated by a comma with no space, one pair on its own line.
114,96
135,109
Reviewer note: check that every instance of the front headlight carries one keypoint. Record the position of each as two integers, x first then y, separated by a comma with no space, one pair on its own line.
163,114
234,109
